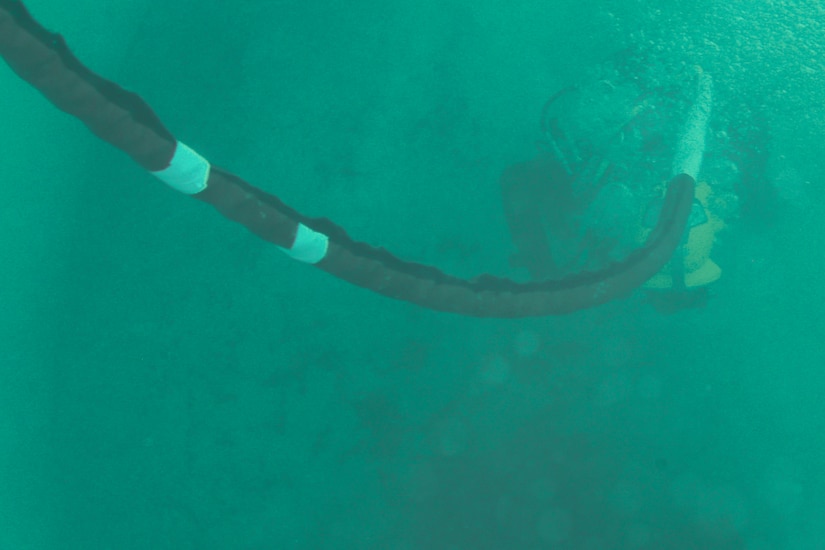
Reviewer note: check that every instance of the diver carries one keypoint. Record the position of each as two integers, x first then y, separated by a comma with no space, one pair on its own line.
594,189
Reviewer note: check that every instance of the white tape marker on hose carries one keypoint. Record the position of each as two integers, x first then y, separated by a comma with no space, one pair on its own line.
187,171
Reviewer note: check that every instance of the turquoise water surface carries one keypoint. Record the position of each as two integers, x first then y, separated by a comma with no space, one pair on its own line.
167,381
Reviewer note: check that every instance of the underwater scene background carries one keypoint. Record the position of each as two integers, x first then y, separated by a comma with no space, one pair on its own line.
169,381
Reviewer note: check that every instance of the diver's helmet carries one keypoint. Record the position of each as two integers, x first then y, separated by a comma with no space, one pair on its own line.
692,265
